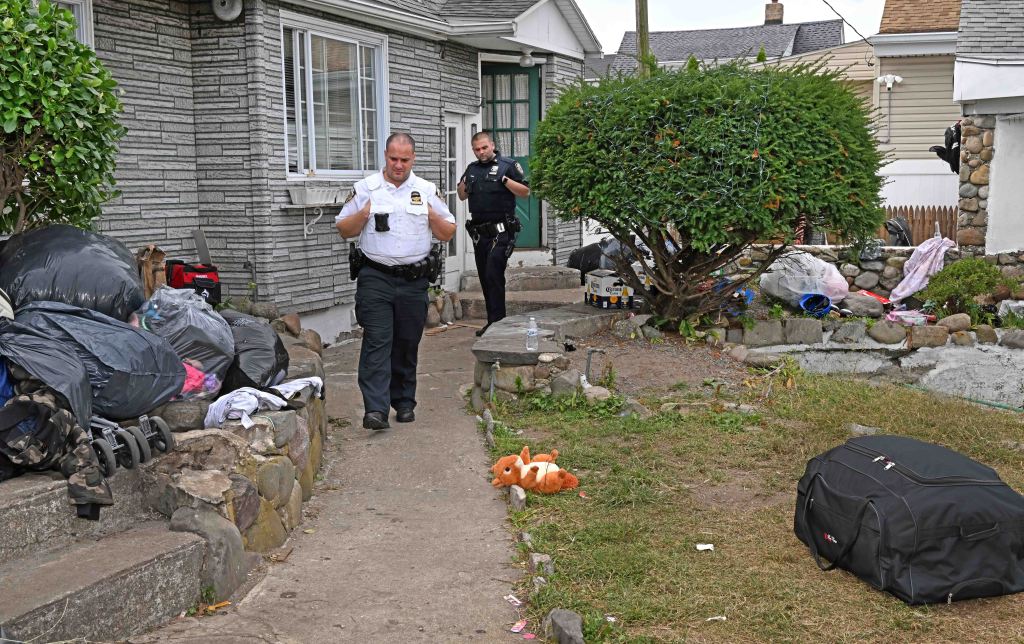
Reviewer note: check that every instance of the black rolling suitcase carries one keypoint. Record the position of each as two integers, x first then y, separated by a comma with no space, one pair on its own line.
920,521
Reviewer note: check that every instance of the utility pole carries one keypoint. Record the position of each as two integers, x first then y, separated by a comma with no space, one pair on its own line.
643,39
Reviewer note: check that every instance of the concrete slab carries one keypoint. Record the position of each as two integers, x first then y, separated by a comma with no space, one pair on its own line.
506,340
35,513
519,302
529,278
103,590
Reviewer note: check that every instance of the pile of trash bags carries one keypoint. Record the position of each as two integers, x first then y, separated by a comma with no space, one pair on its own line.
806,282
83,348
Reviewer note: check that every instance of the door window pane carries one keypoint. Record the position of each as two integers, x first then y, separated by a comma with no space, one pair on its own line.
502,87
522,87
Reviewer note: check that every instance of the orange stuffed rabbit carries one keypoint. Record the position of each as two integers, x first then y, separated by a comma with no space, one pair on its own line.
540,475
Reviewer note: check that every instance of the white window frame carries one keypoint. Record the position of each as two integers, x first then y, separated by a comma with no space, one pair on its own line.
85,32
359,37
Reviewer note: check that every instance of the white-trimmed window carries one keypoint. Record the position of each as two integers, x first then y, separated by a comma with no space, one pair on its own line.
335,93
82,11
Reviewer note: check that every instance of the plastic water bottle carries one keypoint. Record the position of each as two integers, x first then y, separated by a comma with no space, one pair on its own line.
532,335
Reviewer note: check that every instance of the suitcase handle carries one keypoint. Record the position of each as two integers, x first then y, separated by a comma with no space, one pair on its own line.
810,537
981,534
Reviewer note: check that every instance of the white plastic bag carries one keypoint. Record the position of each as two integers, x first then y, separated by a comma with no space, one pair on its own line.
797,274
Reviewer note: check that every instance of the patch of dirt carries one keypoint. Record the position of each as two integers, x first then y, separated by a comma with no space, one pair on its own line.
743,491
641,366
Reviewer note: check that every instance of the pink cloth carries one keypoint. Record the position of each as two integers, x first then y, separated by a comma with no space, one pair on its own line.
927,260
194,380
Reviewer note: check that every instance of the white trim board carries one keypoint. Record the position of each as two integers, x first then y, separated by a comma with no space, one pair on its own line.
919,44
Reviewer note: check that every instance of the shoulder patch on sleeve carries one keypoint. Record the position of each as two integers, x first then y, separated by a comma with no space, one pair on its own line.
350,197
519,168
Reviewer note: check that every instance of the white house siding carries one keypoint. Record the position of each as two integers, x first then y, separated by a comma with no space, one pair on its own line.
563,236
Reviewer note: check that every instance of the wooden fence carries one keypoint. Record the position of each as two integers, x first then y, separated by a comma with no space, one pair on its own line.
922,221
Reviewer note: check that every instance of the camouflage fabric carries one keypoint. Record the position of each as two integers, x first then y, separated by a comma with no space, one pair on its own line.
49,438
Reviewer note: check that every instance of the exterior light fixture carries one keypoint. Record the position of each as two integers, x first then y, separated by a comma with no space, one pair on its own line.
526,60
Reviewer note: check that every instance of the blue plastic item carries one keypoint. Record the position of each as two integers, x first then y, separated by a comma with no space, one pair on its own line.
816,304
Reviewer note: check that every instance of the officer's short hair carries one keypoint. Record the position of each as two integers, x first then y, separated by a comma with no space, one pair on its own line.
480,135
400,137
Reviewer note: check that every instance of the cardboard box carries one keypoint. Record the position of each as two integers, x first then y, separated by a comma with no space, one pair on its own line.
606,290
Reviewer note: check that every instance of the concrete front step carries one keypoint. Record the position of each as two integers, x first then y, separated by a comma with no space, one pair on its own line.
110,589
520,302
35,513
529,278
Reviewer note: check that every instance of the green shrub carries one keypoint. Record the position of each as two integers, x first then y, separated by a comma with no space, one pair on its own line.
58,120
701,162
954,288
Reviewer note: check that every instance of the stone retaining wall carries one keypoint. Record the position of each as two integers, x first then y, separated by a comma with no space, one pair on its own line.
242,488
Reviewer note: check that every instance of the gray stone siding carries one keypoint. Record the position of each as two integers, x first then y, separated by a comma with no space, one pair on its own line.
205,144
563,236
147,48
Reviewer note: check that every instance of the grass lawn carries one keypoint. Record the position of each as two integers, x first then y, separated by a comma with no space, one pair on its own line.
654,488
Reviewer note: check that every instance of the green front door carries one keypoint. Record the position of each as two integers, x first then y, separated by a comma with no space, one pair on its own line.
511,110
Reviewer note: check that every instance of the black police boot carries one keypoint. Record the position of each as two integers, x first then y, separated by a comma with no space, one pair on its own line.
375,420
405,415
480,332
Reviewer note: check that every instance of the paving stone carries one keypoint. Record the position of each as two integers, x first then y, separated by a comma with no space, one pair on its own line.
927,336
764,333
803,331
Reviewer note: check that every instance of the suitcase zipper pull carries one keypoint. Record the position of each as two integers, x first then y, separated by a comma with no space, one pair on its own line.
949,599
877,459
889,465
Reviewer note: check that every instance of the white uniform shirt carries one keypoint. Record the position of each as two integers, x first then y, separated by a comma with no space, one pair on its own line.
409,239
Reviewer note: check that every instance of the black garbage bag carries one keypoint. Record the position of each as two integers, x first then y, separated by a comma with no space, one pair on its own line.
62,263
200,337
50,362
130,371
260,357
598,255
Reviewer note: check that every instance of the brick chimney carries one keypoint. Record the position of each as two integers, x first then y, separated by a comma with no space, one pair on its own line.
773,13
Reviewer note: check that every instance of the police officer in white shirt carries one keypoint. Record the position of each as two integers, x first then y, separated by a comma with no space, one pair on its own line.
394,213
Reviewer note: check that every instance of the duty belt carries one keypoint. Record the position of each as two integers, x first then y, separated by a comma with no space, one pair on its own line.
408,271
493,228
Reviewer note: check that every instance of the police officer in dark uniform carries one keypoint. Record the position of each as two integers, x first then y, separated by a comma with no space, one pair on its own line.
492,183
394,214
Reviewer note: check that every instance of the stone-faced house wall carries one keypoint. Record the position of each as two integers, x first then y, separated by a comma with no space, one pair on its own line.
976,152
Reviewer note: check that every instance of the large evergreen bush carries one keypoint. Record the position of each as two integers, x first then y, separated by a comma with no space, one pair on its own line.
58,120
700,163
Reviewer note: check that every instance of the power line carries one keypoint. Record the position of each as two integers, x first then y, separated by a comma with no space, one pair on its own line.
841,17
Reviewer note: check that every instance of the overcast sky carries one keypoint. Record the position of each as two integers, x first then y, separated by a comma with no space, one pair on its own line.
611,18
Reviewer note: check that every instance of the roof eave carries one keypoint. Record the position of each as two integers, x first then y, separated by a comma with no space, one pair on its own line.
931,43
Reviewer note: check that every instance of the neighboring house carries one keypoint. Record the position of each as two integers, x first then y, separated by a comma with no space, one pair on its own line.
915,49
855,60
231,119
989,89
673,49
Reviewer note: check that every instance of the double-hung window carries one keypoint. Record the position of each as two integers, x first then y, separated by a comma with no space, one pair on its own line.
335,93
82,11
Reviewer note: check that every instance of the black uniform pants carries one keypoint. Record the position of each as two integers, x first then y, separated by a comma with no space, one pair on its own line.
392,311
491,254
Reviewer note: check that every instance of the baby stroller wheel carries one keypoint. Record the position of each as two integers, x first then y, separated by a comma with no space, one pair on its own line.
105,454
128,460
144,449
165,440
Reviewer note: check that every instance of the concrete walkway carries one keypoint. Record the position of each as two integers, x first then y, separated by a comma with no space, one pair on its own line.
404,539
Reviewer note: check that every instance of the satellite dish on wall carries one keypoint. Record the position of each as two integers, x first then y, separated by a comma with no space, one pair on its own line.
226,10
